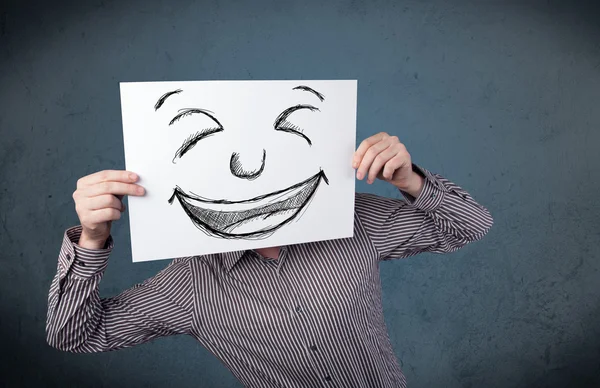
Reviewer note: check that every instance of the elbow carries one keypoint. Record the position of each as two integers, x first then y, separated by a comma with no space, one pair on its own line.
476,231
52,339
488,222
482,228
57,340
55,336
52,332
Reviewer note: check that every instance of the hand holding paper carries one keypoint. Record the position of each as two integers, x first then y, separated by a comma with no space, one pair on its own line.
98,203
383,156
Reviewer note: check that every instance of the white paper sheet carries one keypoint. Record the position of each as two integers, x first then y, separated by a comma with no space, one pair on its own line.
235,165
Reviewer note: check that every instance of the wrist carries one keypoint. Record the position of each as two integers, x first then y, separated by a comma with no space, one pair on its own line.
90,243
414,185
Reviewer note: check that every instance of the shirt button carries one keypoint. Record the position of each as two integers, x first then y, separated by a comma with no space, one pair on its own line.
298,309
327,378
433,195
313,348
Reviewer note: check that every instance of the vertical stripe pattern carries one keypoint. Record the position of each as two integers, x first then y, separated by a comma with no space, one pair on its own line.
311,318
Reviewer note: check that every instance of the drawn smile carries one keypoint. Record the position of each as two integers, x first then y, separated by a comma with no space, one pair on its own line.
253,218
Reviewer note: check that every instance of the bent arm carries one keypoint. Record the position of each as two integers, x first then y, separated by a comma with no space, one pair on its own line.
80,321
444,218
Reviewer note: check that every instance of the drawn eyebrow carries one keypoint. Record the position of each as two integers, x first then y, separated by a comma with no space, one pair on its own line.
311,90
162,98
190,111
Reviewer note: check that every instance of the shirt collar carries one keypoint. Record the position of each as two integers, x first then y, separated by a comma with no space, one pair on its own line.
230,259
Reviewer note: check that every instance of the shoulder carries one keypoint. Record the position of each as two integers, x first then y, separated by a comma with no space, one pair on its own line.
178,268
190,262
367,202
196,265
182,262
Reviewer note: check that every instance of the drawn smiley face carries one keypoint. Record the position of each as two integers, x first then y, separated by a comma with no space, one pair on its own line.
252,218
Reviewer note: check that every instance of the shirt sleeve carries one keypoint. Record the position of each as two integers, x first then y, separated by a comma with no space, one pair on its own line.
79,321
443,219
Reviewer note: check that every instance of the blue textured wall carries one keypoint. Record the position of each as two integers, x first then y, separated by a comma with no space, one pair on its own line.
501,97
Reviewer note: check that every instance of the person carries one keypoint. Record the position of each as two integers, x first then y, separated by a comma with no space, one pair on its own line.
302,315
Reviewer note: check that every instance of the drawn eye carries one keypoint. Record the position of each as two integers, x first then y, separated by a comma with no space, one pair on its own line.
191,141
282,124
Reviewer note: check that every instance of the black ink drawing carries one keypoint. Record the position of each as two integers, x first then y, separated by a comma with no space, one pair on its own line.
236,168
191,141
281,123
162,98
225,218
307,89
224,222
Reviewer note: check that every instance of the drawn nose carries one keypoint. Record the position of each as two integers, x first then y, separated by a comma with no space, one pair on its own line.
240,170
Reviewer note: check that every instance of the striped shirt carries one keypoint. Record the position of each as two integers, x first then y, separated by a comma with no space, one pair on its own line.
311,318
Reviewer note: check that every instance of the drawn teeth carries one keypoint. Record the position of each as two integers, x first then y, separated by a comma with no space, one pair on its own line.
254,218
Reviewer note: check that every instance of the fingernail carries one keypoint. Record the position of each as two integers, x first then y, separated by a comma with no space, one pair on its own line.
133,176
140,190
359,175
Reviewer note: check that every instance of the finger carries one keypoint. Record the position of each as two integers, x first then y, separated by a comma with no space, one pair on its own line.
399,161
364,146
369,157
104,201
380,160
114,188
106,176
103,215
